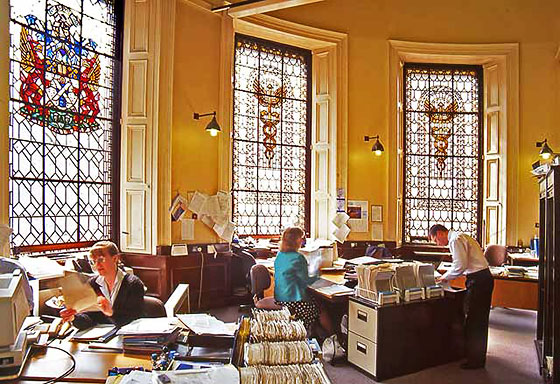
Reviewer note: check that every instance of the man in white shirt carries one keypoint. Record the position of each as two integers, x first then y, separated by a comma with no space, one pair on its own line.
468,259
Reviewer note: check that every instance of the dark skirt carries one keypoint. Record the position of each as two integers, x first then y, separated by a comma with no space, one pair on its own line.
306,311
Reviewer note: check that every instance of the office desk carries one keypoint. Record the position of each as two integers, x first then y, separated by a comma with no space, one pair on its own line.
510,292
91,367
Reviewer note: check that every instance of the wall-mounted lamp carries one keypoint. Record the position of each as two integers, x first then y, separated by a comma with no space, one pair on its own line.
212,128
546,152
377,147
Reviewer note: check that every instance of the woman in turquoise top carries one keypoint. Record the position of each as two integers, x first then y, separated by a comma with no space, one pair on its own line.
291,278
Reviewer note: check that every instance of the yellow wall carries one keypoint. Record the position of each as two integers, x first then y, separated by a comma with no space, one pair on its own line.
369,24
196,87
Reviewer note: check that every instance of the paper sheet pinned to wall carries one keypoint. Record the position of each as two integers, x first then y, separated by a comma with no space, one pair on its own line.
224,199
208,221
187,229
358,212
341,233
197,202
340,219
211,206
225,231
377,231
178,207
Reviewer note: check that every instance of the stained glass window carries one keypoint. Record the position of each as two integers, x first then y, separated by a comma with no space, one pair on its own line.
62,121
271,135
442,147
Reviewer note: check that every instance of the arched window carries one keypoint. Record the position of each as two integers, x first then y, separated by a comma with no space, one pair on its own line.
442,149
271,137
64,88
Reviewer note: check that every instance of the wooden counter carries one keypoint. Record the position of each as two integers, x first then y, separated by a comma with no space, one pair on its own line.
510,292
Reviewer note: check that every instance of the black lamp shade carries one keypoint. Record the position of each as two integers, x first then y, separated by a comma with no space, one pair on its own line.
213,128
546,152
377,147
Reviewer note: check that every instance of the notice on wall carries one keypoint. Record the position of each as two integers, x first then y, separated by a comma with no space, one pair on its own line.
187,229
377,231
225,231
178,207
341,233
197,202
358,213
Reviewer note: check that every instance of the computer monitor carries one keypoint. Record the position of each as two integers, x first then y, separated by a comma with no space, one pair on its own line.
14,307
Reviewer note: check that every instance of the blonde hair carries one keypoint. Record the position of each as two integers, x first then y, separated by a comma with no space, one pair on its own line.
290,237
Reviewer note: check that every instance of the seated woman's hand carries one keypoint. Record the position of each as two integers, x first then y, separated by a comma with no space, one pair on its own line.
67,314
105,306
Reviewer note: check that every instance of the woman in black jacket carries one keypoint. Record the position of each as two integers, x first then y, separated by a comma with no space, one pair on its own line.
120,295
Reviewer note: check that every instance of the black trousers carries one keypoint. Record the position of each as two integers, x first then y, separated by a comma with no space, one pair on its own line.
477,310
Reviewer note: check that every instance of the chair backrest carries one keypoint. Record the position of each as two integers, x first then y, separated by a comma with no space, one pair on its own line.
260,279
496,255
378,252
153,307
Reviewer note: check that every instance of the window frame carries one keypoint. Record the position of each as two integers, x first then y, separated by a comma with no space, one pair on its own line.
114,209
480,179
308,54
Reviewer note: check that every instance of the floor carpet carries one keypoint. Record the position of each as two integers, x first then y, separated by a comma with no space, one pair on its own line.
511,357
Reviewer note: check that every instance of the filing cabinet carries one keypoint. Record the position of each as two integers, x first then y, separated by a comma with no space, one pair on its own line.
393,340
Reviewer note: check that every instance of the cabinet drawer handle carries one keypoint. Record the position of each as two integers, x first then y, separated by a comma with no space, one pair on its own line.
362,315
361,347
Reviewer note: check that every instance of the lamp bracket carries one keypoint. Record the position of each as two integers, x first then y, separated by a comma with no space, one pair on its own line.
197,116
368,138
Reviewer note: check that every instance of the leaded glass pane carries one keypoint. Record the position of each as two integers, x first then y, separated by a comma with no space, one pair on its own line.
270,137
62,85
442,144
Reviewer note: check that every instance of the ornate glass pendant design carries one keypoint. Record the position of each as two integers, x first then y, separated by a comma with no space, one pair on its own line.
270,93
441,105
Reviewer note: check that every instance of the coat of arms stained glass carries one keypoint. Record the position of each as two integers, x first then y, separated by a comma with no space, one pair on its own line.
61,120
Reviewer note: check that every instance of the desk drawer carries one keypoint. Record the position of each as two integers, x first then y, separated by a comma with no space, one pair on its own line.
362,321
362,353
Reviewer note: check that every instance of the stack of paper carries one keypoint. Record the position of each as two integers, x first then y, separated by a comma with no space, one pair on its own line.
405,276
335,290
425,274
204,324
41,267
364,260
100,332
148,335
373,279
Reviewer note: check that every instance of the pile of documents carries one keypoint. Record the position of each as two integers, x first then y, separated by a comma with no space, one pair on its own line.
522,272
204,324
148,335
373,279
330,289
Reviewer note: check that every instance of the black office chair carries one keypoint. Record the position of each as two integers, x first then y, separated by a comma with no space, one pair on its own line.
378,252
241,264
260,282
153,307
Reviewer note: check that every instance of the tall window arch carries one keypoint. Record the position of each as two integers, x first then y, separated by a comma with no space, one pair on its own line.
442,149
64,91
271,136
